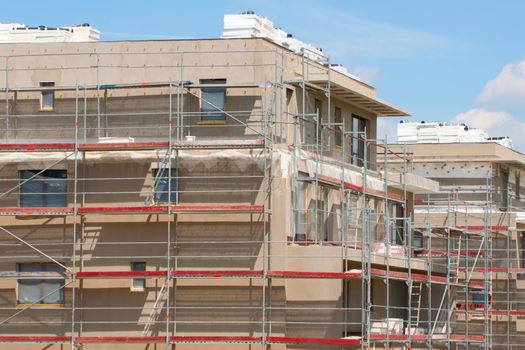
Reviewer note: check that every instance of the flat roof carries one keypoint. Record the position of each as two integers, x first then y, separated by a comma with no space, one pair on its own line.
462,152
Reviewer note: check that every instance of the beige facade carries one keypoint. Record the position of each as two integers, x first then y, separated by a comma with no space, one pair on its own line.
241,177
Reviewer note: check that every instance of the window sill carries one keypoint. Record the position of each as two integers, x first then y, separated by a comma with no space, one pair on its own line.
212,122
39,305
47,109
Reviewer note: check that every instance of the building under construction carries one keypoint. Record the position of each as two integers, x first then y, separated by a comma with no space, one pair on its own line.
480,208
229,194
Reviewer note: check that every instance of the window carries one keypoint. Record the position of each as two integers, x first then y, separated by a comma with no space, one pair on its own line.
162,185
138,284
47,189
522,249
398,224
47,100
504,189
289,97
338,127
517,186
40,291
300,212
358,143
323,215
213,100
479,299
318,110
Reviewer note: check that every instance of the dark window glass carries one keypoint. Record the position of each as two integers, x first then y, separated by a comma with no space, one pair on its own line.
138,284
518,185
504,189
398,224
47,100
162,184
40,291
358,143
47,189
213,100
338,127
318,109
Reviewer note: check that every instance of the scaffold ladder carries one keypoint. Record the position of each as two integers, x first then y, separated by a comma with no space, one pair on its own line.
154,310
455,260
415,303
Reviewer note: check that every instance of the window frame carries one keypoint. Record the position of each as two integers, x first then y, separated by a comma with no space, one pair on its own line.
318,110
212,115
358,145
61,290
42,195
141,280
505,179
396,209
517,185
339,127
49,94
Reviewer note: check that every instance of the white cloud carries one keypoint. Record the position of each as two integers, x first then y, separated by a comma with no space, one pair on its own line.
352,36
501,105
482,118
495,123
366,74
507,90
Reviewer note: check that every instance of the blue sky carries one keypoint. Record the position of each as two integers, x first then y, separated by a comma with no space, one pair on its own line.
441,60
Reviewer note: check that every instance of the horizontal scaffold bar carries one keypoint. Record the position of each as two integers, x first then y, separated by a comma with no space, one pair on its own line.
206,339
152,209
34,339
478,309
375,273
303,274
125,146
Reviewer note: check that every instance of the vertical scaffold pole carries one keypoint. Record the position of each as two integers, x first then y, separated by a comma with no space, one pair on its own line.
169,218
75,218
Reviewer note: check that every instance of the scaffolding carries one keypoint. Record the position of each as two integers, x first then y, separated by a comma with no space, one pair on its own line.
378,251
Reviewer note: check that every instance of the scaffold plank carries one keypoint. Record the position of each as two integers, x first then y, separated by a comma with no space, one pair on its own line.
121,339
180,339
481,227
217,273
306,340
32,147
44,211
218,208
405,275
308,274
478,309
423,338
219,144
492,269
177,208
152,209
122,146
120,274
34,339
445,254
398,337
